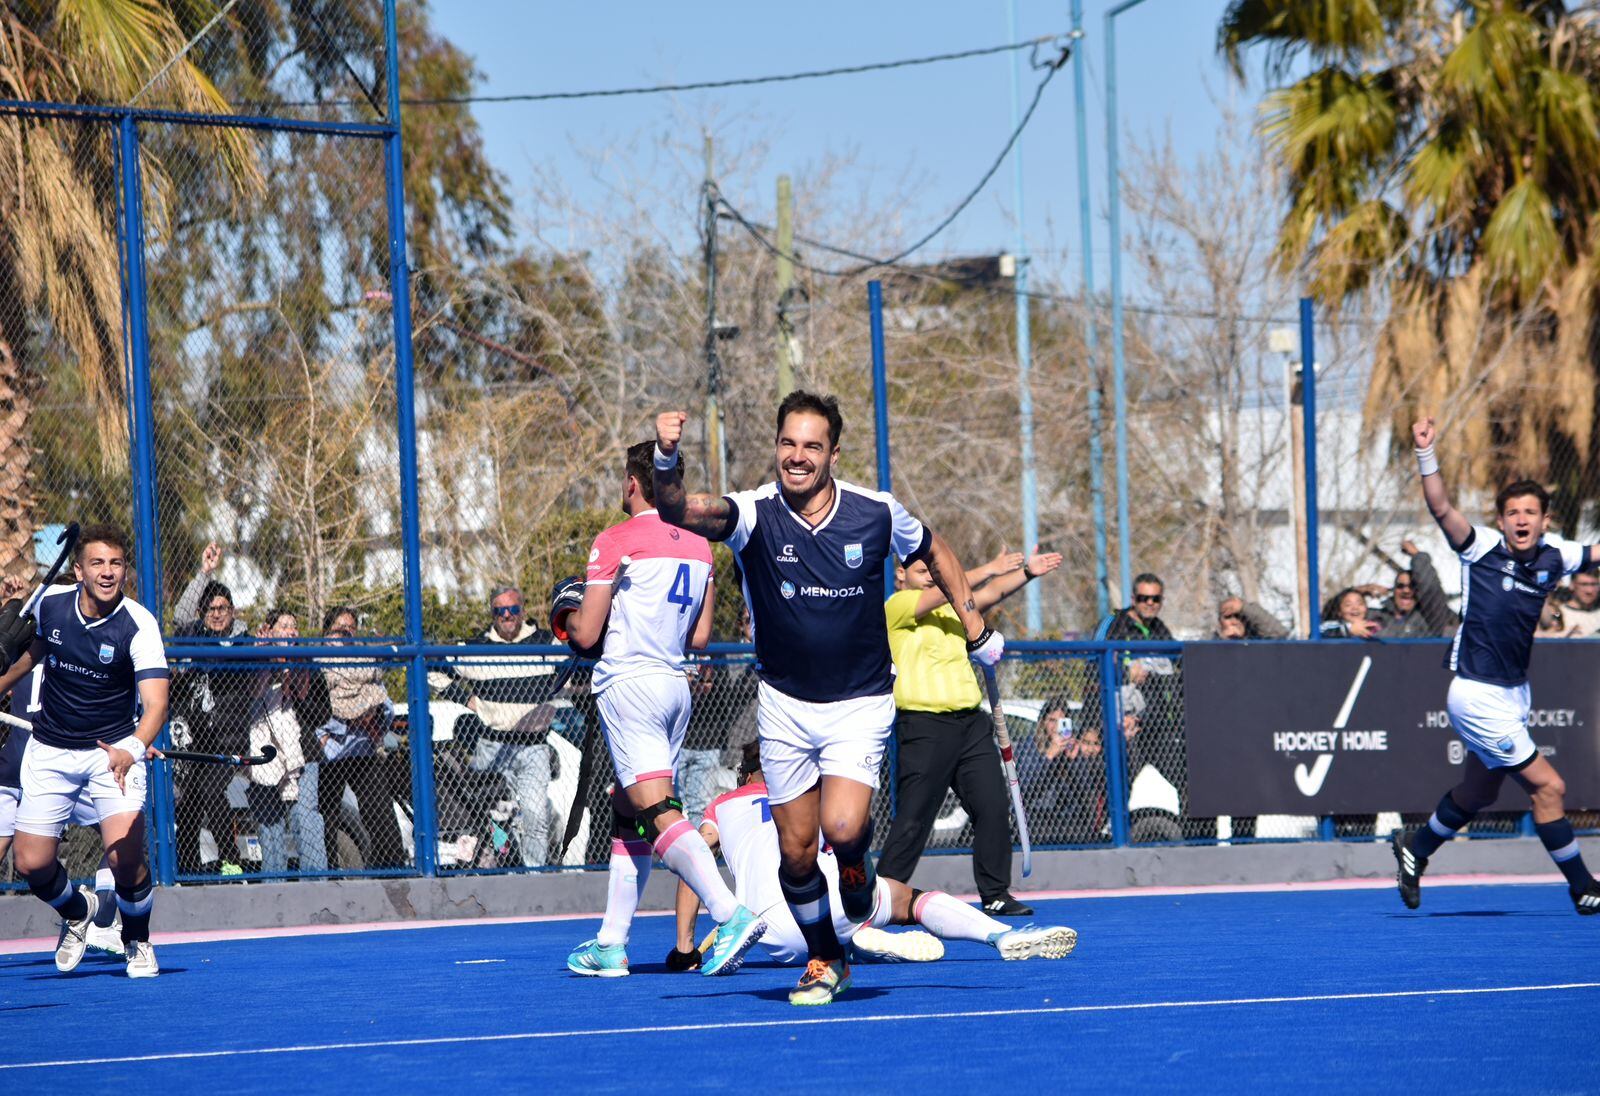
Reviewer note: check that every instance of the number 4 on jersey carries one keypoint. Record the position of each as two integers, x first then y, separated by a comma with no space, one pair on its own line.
679,595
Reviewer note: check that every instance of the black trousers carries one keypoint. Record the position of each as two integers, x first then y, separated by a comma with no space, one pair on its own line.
204,805
955,751
374,803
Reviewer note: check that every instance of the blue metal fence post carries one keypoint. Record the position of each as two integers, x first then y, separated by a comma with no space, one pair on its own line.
1116,756
141,441
1119,387
880,403
424,823
1308,410
1097,459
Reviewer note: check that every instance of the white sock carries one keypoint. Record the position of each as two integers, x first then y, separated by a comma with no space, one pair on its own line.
686,853
630,871
951,919
104,880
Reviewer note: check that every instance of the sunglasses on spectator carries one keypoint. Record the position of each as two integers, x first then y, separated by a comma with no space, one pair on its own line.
1232,616
1154,599
1402,586
507,610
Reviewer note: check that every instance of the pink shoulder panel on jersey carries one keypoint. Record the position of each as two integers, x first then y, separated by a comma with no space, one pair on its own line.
744,792
604,557
648,537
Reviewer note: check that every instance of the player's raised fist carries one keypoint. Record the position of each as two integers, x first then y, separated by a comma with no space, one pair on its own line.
669,430
1423,432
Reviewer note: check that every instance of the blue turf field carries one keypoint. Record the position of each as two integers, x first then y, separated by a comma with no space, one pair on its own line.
1136,1008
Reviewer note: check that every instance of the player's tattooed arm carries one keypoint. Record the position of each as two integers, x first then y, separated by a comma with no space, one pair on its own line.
952,582
709,515
1456,528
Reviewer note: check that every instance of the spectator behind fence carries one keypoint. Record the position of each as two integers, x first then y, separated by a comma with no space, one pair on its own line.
1061,767
1582,610
1416,606
1150,697
1142,619
1241,619
211,706
508,729
944,737
283,794
1345,616
1553,623
359,716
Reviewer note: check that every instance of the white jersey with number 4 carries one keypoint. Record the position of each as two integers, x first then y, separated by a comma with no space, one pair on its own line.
656,604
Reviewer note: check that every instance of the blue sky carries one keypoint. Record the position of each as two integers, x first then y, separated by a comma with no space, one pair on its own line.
926,132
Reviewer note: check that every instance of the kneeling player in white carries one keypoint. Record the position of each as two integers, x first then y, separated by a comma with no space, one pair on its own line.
741,822
102,703
647,597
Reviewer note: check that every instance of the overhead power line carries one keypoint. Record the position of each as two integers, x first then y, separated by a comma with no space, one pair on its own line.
704,85
1050,66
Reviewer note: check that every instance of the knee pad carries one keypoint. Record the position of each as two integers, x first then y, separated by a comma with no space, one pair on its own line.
647,824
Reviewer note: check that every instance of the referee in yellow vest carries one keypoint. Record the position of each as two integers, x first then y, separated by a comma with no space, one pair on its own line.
945,739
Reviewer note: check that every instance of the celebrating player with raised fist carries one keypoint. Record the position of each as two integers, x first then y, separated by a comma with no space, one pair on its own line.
811,551
1507,574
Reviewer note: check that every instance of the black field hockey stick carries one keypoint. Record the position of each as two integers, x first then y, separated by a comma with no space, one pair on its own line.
68,541
1008,761
242,761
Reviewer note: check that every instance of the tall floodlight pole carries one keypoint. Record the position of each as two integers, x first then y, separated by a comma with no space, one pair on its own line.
1097,483
1030,483
1119,386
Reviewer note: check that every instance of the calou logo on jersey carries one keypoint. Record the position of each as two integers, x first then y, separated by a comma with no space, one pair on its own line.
852,555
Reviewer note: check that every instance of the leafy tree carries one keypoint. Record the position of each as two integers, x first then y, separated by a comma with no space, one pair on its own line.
1447,154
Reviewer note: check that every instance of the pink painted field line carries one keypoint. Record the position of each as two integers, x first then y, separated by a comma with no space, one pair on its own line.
45,944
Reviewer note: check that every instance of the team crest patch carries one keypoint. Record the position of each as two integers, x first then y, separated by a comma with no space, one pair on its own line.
1507,583
852,555
1542,577
787,589
1504,745
107,652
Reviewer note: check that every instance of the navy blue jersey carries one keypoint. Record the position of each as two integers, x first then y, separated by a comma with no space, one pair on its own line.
24,703
1501,597
92,670
816,593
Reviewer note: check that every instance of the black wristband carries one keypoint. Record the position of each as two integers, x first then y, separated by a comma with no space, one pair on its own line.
983,637
1027,575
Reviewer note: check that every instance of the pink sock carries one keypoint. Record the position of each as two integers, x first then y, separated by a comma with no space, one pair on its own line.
686,853
630,871
951,919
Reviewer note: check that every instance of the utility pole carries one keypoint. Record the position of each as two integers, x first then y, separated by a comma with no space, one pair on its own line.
788,348
716,463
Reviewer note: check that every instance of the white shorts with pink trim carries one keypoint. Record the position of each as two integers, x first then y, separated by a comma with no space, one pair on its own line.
644,719
803,741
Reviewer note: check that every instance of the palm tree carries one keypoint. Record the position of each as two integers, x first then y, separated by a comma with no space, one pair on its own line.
1447,153
60,293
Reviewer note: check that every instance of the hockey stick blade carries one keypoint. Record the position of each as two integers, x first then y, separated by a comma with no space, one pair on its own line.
268,752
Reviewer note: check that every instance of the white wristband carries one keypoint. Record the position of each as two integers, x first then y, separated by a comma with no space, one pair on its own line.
665,463
1427,463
